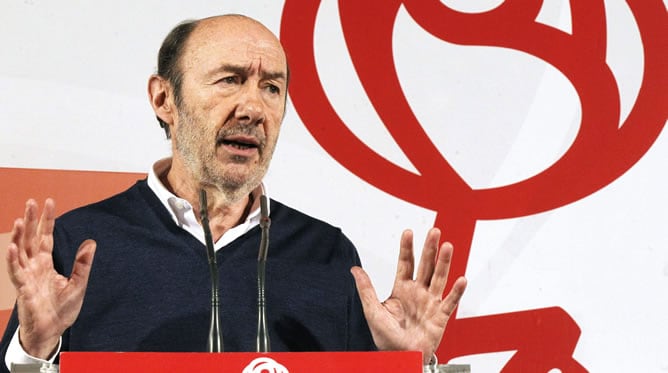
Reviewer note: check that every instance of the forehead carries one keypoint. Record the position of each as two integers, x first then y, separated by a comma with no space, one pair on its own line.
233,40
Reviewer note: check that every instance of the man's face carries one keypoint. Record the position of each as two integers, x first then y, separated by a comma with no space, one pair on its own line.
233,100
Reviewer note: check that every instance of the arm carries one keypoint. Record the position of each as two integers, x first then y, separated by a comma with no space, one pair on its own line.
415,315
47,302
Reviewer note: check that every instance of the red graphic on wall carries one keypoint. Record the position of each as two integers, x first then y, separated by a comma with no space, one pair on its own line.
601,152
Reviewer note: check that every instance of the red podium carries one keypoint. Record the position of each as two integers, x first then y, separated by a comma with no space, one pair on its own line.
241,362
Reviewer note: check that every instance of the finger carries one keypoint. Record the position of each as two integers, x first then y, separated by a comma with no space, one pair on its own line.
14,268
30,227
17,239
17,232
428,257
454,296
45,226
405,265
82,266
441,271
365,289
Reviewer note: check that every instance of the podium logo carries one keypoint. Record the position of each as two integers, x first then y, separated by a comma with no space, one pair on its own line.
265,365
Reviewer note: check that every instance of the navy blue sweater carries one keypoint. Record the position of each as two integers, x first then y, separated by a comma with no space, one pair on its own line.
149,288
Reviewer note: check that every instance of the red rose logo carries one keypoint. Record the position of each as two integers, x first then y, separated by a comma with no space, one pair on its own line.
601,152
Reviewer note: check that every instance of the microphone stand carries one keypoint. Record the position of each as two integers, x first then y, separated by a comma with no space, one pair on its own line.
262,342
215,342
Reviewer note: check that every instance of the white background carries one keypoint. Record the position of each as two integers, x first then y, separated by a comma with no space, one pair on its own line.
73,96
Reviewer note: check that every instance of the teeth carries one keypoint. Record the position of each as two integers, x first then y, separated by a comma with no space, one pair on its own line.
239,145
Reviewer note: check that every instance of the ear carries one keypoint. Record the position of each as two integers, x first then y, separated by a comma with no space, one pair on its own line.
161,98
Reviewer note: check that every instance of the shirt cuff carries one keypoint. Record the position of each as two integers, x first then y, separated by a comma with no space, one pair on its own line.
16,355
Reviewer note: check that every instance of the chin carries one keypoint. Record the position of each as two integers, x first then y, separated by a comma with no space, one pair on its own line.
236,180
238,188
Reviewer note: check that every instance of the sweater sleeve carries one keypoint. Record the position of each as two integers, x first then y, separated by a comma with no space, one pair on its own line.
359,335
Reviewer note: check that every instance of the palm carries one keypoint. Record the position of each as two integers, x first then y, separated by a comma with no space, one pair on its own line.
47,302
415,315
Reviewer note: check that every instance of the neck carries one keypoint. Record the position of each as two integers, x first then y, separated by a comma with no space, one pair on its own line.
224,212
224,215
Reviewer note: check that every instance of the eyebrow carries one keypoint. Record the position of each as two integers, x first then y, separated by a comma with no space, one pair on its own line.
243,70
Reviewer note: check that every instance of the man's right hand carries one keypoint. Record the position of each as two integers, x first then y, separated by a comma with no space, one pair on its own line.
47,302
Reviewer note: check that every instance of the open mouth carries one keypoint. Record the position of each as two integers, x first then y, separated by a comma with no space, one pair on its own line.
243,145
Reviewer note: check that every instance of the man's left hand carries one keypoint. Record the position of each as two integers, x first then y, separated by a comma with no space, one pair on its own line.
415,315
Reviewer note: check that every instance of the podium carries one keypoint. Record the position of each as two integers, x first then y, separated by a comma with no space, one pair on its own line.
241,362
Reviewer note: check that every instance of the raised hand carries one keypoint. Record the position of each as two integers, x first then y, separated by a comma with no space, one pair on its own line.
47,302
415,315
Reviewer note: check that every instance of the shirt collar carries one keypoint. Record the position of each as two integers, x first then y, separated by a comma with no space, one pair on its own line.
182,212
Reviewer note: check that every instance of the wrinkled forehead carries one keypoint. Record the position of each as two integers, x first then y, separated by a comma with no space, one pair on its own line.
234,40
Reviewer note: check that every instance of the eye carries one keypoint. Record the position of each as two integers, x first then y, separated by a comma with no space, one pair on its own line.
232,79
273,89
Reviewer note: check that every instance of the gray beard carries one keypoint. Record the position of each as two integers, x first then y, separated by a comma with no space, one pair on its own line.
232,190
188,146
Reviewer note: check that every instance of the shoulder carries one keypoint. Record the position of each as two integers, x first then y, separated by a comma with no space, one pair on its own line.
118,221
127,202
313,237
281,210
300,220
135,207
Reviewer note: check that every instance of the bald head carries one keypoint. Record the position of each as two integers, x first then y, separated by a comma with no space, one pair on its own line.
194,35
235,35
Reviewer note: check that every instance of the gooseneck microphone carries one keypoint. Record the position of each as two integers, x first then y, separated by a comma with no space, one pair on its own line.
215,342
262,342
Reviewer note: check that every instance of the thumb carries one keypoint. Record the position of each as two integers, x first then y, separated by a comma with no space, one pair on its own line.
83,264
365,289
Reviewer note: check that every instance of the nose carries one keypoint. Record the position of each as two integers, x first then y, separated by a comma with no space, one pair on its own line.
250,108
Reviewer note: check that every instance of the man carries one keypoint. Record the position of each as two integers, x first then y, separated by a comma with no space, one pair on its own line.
220,92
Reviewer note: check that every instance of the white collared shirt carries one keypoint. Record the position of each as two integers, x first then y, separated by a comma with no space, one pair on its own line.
183,215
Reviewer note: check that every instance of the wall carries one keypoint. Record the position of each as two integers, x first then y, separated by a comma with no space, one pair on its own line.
532,134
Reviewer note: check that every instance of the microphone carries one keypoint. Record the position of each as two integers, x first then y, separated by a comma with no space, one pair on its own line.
262,342
215,342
